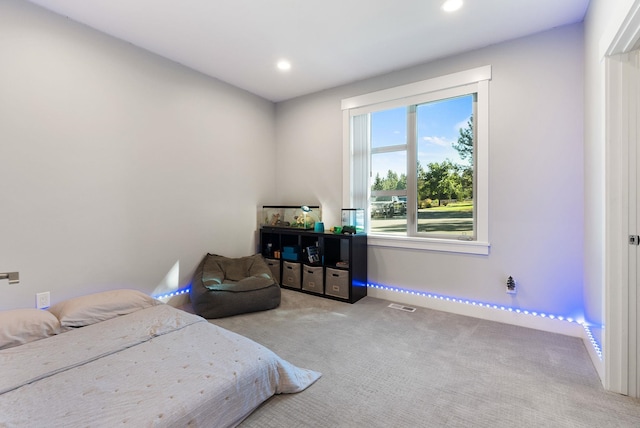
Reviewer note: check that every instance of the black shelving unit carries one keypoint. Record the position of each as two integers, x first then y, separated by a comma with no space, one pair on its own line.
325,264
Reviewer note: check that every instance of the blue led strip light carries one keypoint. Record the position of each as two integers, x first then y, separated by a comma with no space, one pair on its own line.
594,342
173,293
587,329
592,339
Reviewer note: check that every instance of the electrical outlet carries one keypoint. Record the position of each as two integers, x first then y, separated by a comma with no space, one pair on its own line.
43,300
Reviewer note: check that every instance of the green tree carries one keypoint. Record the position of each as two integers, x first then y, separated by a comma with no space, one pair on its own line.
441,181
391,182
377,183
467,183
464,146
402,182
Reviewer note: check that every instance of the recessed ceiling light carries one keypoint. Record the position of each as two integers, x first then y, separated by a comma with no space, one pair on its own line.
452,5
283,65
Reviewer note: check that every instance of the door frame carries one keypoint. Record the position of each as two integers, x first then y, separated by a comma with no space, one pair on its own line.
621,355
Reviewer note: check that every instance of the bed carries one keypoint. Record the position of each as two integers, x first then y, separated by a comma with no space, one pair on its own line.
151,365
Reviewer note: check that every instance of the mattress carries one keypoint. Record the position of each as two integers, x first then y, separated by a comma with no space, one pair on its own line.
158,366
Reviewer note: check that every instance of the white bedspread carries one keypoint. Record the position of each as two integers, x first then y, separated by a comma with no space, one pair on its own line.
156,367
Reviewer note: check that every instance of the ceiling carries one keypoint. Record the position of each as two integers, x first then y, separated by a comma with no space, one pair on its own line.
328,42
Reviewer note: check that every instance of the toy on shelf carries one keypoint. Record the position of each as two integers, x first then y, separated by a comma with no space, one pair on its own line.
353,220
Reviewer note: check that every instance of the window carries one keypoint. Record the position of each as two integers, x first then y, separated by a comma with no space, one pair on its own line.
417,160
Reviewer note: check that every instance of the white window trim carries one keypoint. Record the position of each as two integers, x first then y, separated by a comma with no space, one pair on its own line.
399,95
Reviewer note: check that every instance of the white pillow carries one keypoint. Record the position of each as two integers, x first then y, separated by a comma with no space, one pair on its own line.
93,308
20,326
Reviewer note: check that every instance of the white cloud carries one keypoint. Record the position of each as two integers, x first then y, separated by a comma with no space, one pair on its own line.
438,141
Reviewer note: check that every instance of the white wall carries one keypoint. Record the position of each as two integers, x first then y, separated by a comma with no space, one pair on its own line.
117,164
536,175
595,24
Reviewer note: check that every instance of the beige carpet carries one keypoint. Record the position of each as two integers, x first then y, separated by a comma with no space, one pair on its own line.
384,367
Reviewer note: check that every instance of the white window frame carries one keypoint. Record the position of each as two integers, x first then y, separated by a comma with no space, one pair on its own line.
356,160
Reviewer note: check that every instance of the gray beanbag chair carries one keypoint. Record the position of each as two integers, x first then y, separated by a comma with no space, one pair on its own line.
224,286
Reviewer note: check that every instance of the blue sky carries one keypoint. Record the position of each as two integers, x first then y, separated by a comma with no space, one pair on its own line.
439,125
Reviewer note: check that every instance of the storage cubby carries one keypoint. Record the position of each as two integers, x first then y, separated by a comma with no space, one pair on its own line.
324,264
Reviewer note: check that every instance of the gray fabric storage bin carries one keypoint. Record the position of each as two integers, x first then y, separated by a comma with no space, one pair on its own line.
274,266
337,283
312,279
291,274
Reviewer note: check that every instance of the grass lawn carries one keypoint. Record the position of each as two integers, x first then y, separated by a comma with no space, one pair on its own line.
453,206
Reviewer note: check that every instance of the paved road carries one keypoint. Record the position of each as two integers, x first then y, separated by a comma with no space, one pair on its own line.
451,222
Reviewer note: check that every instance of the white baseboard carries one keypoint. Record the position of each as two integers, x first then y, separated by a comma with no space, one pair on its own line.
595,354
